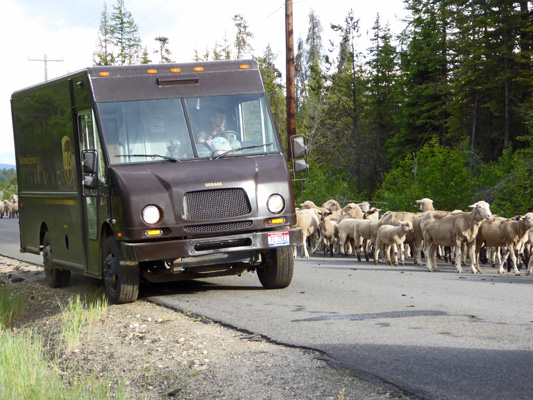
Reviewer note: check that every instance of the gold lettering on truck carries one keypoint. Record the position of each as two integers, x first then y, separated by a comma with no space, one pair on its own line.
212,184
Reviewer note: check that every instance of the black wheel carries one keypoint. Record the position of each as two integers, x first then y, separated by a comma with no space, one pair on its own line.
121,279
277,268
55,277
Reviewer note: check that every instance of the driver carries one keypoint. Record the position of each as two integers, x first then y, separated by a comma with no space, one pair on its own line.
217,124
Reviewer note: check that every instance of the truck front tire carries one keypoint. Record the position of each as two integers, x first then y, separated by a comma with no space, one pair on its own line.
277,268
56,278
121,278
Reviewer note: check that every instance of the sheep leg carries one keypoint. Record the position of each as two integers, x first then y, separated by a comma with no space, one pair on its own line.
432,255
530,266
501,270
394,251
458,259
515,262
376,252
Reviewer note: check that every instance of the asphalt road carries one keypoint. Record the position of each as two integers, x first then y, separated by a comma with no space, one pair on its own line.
437,335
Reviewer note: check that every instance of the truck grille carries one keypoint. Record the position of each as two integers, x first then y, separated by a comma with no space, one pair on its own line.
230,226
215,204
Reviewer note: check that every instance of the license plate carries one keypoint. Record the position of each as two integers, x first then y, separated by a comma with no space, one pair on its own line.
278,239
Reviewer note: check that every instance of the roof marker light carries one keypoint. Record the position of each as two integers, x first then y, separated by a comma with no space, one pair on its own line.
151,71
198,69
104,73
175,70
244,66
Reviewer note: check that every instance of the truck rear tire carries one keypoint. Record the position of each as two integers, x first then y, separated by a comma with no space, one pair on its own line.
277,268
56,278
121,279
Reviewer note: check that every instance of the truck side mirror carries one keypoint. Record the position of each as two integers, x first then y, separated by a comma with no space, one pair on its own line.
299,148
88,160
90,181
299,157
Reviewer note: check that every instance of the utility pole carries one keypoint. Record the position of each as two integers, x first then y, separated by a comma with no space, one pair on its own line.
45,59
291,92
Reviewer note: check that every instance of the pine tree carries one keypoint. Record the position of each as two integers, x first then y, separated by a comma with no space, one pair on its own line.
104,55
124,35
163,51
242,38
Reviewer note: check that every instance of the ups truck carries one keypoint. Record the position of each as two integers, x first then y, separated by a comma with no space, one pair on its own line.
155,173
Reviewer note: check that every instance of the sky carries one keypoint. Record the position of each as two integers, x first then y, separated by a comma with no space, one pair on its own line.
67,31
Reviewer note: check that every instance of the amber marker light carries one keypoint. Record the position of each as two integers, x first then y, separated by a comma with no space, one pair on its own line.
151,71
275,221
104,73
119,234
244,66
154,232
198,69
175,70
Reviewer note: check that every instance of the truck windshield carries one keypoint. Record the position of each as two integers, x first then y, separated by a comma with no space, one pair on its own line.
181,129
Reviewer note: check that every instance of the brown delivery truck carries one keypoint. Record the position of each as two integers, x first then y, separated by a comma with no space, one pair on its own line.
155,173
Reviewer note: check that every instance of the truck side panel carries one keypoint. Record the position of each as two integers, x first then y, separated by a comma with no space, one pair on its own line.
49,188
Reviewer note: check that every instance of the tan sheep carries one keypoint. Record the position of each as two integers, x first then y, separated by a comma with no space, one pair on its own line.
453,230
414,239
307,220
392,237
504,233
329,230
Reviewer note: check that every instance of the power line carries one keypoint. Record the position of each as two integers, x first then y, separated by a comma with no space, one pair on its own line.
45,59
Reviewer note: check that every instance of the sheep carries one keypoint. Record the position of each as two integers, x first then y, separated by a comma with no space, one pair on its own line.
352,210
12,209
414,240
2,206
332,205
528,246
329,230
392,237
453,230
504,233
366,231
372,214
364,206
307,220
346,235
425,204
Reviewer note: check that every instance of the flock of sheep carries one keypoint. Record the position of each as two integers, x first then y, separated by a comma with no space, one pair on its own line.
8,208
358,228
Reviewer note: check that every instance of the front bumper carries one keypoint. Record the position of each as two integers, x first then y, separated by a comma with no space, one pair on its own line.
169,250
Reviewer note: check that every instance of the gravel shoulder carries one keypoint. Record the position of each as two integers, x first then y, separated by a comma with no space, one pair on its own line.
158,353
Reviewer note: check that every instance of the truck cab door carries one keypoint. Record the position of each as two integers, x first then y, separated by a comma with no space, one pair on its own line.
91,195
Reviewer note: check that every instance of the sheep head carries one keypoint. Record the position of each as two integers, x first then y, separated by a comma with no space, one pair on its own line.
481,210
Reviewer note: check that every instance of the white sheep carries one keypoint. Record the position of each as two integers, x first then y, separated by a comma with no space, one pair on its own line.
332,205
453,230
365,232
307,220
392,237
414,239
425,204
346,235
504,233
2,207
12,209
351,210
364,206
329,230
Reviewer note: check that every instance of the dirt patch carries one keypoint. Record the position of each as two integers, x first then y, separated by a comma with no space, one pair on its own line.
158,353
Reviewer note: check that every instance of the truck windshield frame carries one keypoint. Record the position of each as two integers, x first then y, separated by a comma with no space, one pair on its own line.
187,128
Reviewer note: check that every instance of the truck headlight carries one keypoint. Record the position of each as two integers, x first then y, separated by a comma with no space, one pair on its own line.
275,204
151,215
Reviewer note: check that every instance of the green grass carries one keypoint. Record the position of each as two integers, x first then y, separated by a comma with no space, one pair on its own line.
26,372
11,305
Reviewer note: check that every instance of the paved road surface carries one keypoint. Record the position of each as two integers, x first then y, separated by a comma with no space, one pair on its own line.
437,335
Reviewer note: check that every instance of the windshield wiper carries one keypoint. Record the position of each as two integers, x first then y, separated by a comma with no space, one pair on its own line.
239,149
149,155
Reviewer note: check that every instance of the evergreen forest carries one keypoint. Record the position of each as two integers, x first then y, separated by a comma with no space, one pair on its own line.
442,109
